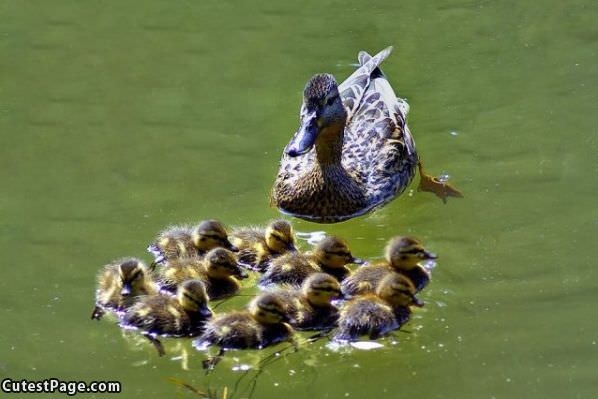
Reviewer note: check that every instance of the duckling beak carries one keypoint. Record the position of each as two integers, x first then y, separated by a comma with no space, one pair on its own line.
291,247
339,296
428,255
305,138
241,274
416,301
229,245
205,312
357,261
126,290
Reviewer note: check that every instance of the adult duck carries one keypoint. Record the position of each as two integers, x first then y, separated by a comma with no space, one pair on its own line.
353,151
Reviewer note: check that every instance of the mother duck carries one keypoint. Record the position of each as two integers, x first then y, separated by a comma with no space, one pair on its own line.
353,151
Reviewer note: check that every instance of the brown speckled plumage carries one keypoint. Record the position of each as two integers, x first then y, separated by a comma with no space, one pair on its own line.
373,158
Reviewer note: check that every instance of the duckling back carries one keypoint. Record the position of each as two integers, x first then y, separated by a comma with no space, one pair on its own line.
290,269
164,314
364,280
365,315
236,330
172,243
302,314
253,250
176,271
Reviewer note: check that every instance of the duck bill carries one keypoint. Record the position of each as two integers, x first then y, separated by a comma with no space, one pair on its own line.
126,290
417,302
229,245
241,274
291,247
358,261
339,296
205,312
428,255
305,137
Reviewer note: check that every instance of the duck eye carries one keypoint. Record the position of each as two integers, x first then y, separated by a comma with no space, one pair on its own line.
330,100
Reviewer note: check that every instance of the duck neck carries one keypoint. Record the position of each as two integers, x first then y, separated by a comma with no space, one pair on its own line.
329,145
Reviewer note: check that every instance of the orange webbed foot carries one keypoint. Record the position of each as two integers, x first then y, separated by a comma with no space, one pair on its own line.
435,185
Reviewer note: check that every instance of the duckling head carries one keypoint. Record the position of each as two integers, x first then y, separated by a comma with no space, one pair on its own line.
267,309
133,277
334,253
322,109
404,253
398,290
222,263
193,297
320,289
211,234
280,237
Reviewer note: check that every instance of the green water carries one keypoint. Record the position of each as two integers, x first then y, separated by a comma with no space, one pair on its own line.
119,118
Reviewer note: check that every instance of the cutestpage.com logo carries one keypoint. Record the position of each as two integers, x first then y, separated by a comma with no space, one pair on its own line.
53,385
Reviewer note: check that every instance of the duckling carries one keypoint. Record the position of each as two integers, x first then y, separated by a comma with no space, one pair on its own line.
330,255
166,315
333,255
119,284
377,315
184,241
218,270
262,324
290,269
258,247
309,308
402,255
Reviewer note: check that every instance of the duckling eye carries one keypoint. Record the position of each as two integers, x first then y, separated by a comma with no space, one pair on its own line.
330,100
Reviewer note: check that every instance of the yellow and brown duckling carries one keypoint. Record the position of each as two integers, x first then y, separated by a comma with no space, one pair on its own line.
375,315
119,285
218,270
184,241
257,247
310,307
402,255
331,255
166,315
262,324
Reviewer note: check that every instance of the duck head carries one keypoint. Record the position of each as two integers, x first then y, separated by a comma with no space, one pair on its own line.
192,296
211,234
280,237
322,112
222,263
404,253
334,253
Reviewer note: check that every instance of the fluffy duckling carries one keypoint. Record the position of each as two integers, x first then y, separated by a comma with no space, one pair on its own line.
290,269
119,284
331,255
262,324
183,241
218,270
402,255
257,247
377,315
166,315
309,308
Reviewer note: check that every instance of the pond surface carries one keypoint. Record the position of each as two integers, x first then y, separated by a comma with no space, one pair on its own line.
119,118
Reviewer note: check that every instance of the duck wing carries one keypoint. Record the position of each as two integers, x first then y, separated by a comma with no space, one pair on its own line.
378,149
354,87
